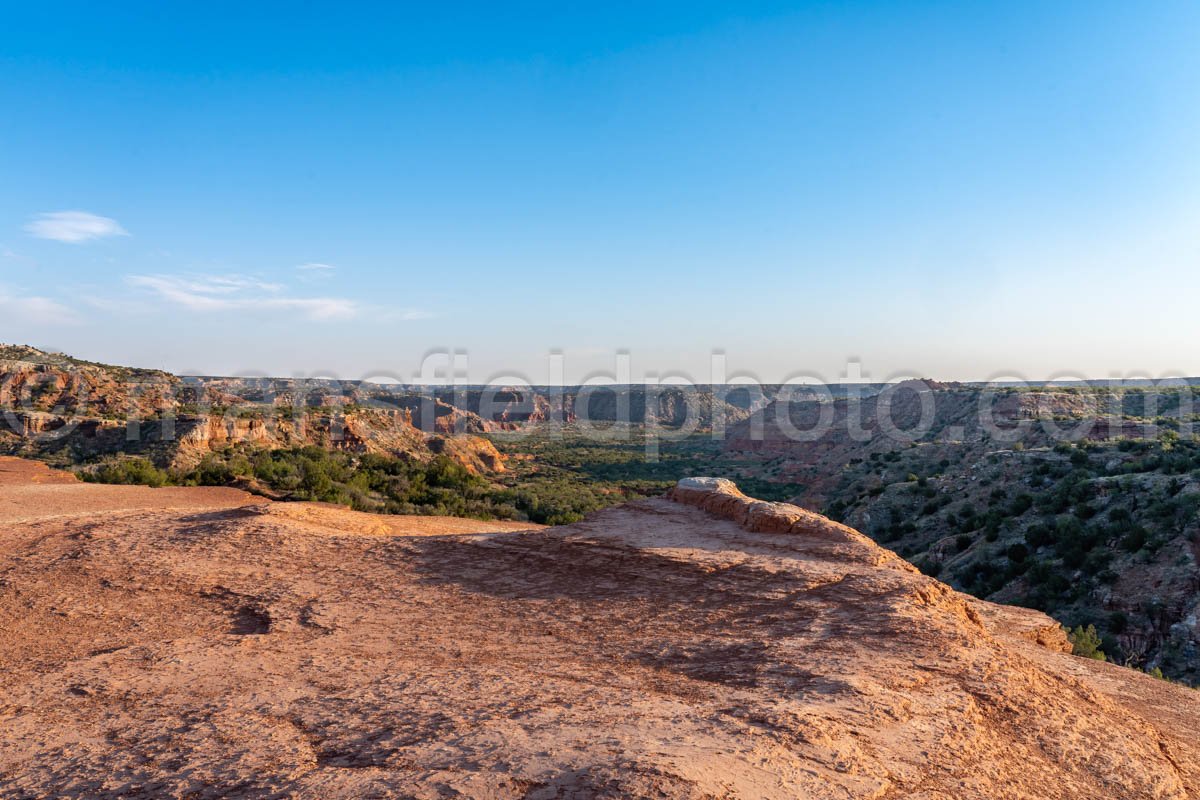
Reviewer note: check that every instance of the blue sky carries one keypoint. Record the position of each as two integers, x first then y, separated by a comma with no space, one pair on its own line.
956,190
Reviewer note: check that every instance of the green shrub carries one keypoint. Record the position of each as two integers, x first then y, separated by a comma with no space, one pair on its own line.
1086,642
1039,535
136,470
1020,504
1135,540
1017,553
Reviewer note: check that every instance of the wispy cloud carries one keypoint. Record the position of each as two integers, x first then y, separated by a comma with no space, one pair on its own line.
213,293
214,284
315,272
34,310
73,227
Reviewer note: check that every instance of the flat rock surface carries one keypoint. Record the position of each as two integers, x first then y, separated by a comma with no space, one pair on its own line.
202,643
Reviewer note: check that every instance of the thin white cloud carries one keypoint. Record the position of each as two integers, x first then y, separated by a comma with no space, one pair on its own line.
220,284
73,226
35,310
239,293
414,313
316,272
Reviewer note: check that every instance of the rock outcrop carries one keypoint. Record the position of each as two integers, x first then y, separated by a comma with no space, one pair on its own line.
70,411
204,643
36,382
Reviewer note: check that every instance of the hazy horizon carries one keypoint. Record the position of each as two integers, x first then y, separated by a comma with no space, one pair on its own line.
436,370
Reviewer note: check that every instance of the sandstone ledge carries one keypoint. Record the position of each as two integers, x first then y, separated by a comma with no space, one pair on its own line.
198,642
721,497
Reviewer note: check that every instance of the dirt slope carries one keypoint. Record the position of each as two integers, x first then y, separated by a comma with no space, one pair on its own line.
200,643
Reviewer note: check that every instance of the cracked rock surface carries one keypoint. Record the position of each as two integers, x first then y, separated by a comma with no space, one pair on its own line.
203,643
